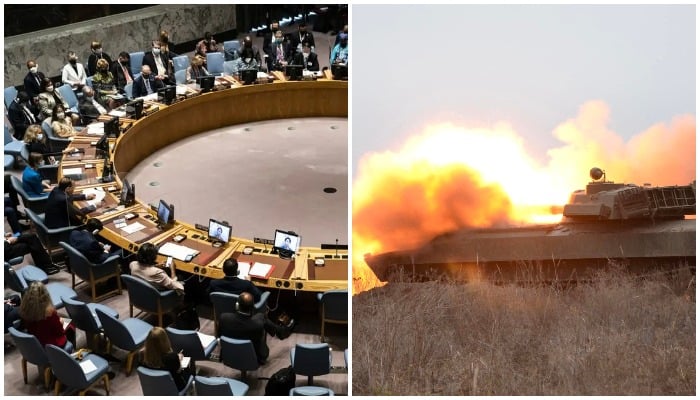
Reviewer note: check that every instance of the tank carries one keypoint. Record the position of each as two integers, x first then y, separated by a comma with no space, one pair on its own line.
640,228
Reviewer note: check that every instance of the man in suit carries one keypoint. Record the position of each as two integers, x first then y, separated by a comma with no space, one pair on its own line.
231,283
146,83
85,242
160,64
89,108
121,71
28,243
301,37
22,113
279,53
307,58
33,79
59,208
244,323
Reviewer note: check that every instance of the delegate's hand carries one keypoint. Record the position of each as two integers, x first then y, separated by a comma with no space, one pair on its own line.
90,196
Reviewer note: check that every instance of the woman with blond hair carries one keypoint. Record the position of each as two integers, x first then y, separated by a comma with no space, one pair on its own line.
36,142
39,317
104,85
159,354
196,69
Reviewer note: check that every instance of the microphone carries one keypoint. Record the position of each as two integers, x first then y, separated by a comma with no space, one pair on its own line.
336,248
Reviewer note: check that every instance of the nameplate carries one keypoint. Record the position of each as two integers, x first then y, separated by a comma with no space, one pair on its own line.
263,241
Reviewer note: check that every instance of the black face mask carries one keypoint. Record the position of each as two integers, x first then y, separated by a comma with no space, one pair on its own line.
73,61
146,76
124,63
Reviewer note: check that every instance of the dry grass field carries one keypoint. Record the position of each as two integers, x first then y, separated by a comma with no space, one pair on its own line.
613,336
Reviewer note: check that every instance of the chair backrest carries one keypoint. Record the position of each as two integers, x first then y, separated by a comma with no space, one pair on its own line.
10,96
36,204
181,76
310,391
155,382
48,237
335,305
116,331
69,95
80,265
56,143
186,341
215,63
88,80
141,293
136,61
81,315
212,386
311,359
14,280
230,67
65,367
223,302
29,347
231,48
181,63
238,354
128,90
8,137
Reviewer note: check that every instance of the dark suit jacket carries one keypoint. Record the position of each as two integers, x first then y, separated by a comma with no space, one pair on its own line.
272,60
307,37
31,86
85,242
19,119
311,62
87,110
139,88
252,327
119,78
91,66
149,59
57,208
234,285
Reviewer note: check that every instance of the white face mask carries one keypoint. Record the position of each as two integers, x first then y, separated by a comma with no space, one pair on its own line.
248,60
61,115
49,88
98,51
156,50
89,98
40,136
34,70
306,54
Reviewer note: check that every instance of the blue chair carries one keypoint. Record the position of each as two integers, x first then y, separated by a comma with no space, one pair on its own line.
10,96
136,61
32,352
239,354
129,335
215,63
128,90
231,48
36,204
310,391
219,386
85,318
155,382
57,291
12,147
49,237
70,97
91,273
29,273
181,77
88,81
181,63
334,308
230,67
147,298
9,162
311,360
56,144
68,371
190,344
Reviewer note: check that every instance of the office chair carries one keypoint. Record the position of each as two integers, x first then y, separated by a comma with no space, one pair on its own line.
32,352
334,308
239,354
219,386
68,370
311,360
93,274
156,382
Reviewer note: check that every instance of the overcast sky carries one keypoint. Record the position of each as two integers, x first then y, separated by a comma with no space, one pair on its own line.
532,66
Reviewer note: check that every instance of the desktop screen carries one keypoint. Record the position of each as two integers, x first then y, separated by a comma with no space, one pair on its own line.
206,83
125,191
164,214
219,231
287,241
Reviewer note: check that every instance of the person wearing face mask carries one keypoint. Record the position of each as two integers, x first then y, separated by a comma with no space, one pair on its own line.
48,99
22,113
86,243
31,178
339,54
307,58
248,44
59,210
196,69
61,124
303,36
33,79
89,107
337,37
121,71
245,61
35,140
159,63
280,54
146,83
74,73
269,38
206,45
103,82
96,53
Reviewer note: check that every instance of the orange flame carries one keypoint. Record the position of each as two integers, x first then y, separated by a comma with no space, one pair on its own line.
451,177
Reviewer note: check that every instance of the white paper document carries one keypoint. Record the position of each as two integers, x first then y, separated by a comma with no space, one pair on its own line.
72,171
176,251
98,128
243,269
205,339
152,97
88,366
260,270
66,322
99,195
135,227
116,113
185,362
180,90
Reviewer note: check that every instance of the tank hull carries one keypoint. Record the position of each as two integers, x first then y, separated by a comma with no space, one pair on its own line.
565,251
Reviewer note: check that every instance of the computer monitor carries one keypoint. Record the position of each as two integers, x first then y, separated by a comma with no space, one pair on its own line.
218,231
294,72
339,71
134,109
248,76
166,215
102,145
167,94
107,170
128,194
286,242
112,127
206,83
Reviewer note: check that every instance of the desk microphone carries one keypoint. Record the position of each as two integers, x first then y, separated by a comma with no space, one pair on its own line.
336,248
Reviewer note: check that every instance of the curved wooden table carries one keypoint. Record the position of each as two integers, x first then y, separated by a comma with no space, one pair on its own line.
169,124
